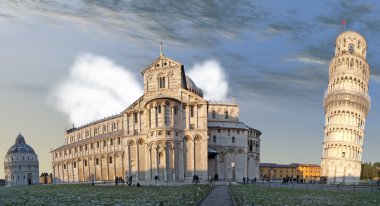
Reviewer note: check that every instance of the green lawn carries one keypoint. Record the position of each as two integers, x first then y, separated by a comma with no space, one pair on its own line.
285,196
101,195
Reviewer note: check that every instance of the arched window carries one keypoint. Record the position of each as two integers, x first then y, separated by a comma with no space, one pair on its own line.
135,117
97,161
233,139
162,82
226,114
214,139
250,145
85,163
351,49
110,160
213,114
159,109
75,165
191,111
64,166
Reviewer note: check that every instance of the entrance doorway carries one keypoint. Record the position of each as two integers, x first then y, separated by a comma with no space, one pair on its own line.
30,178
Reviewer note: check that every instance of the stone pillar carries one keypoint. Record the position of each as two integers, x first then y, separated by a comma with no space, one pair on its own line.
78,172
165,162
194,156
150,118
133,123
164,113
101,168
197,125
140,121
181,165
108,167
84,176
150,163
129,160
127,123
94,169
155,116
72,171
137,160
122,162
187,116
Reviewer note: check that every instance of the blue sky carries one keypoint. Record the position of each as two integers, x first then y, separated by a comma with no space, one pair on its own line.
274,54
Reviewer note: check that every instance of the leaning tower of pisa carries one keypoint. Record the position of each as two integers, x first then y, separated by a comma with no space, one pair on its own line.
346,104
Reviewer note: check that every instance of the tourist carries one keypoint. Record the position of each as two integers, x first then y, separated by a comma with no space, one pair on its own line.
116,180
129,181
156,178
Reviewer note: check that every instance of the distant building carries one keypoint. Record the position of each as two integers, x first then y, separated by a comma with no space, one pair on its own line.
21,165
274,171
346,104
171,131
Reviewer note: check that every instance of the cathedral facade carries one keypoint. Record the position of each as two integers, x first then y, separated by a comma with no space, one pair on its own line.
346,105
171,132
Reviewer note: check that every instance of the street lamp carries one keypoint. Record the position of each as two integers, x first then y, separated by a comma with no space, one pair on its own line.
233,171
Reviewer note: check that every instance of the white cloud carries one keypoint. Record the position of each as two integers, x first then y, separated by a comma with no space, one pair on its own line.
96,88
211,78
307,59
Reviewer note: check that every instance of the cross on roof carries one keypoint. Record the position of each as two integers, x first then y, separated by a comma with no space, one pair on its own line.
161,48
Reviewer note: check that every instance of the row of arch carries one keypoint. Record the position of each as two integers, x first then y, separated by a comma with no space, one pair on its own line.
342,151
103,167
344,134
351,62
338,99
95,130
341,104
345,117
93,147
224,113
348,83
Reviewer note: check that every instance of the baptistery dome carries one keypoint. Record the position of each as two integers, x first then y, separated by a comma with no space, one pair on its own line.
20,146
21,164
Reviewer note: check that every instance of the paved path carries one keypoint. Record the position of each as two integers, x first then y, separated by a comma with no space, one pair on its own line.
219,196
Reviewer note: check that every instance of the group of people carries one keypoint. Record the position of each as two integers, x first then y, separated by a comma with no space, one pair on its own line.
286,180
129,181
246,180
195,179
119,179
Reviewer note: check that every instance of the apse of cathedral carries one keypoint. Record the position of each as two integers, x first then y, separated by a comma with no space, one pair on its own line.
171,132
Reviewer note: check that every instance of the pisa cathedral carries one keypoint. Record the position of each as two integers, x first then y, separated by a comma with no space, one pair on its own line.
170,131
346,105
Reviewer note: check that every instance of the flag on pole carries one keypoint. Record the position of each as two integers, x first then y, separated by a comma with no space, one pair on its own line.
344,24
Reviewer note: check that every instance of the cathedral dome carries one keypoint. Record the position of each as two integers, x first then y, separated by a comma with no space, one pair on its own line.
190,85
20,146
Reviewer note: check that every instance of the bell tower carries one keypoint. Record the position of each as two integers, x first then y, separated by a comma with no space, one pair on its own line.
346,105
